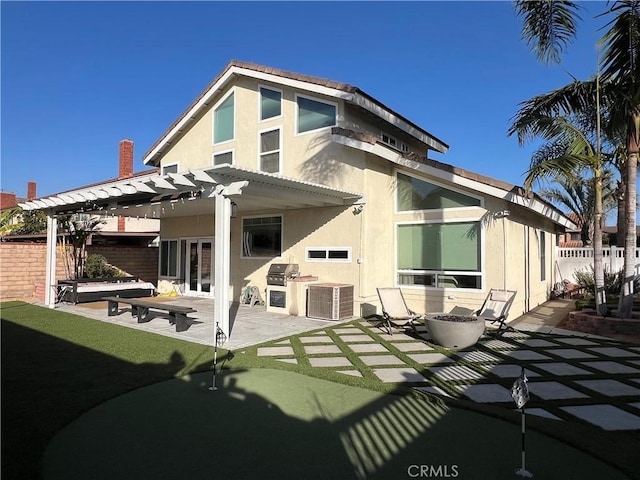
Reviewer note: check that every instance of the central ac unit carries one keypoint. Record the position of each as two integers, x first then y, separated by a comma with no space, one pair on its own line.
330,301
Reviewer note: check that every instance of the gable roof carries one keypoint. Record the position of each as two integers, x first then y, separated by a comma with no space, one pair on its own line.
343,91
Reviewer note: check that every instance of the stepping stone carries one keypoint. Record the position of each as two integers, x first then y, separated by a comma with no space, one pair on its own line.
412,346
525,355
274,351
381,360
541,412
368,347
509,371
456,372
607,417
288,360
434,390
430,358
318,349
283,342
493,343
537,342
399,375
514,334
317,339
562,369
477,356
485,393
576,341
397,337
330,362
635,362
554,391
612,352
347,330
610,367
356,338
635,405
353,373
611,388
570,353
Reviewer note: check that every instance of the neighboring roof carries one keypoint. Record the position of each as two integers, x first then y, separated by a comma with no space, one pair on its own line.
346,92
481,183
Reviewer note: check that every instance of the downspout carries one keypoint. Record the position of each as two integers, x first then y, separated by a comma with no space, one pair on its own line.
527,269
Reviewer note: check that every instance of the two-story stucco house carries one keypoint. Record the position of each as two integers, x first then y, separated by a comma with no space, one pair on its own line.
271,167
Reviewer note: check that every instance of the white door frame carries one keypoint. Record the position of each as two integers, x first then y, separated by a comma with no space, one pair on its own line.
202,288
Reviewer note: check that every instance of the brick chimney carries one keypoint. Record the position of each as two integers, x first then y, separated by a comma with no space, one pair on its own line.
125,164
125,170
31,191
7,200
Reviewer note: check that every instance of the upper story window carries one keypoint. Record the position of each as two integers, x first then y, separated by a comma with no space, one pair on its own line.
170,169
223,157
415,194
270,151
270,103
314,114
223,118
389,140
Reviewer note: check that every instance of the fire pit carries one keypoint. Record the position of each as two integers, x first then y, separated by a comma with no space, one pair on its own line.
454,331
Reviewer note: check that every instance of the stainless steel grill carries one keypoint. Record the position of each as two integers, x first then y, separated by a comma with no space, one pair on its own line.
279,273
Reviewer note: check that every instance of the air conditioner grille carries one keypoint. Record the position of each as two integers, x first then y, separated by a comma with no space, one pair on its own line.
330,301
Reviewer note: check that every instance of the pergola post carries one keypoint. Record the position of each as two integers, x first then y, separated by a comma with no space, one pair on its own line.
222,262
50,267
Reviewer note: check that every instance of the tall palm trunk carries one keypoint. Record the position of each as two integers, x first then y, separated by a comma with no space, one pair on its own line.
598,265
626,295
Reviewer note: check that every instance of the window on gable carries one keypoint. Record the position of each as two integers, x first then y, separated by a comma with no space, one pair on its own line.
223,120
270,103
441,255
392,142
222,158
270,151
170,169
262,237
168,258
416,194
314,114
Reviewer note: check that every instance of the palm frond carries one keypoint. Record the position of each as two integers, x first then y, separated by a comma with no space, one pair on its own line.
548,26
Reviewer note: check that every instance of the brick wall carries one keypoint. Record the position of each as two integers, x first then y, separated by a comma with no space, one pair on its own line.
22,266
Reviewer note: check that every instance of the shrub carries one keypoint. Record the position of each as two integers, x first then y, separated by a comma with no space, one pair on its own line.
612,281
97,266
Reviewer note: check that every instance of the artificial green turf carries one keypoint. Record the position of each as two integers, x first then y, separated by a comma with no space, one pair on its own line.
55,366
268,424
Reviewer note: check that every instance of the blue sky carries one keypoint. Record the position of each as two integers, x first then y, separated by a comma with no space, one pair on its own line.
78,77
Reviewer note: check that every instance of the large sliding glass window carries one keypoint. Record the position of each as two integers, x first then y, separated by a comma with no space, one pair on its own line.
416,194
168,258
270,103
314,114
440,255
262,237
223,117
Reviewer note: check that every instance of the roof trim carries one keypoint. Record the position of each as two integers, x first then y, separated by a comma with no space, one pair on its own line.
480,183
343,91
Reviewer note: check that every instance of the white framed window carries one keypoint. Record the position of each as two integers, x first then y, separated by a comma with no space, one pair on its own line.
270,148
220,158
314,114
416,194
223,119
270,103
404,147
262,236
168,258
170,168
328,254
389,140
440,254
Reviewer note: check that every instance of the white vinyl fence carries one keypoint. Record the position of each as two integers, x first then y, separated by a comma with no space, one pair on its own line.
570,260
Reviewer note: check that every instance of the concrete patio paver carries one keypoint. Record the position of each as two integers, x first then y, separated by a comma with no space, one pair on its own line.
611,388
606,417
554,391
399,375
611,367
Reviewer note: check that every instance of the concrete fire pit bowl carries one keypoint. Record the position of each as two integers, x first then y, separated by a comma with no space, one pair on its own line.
454,331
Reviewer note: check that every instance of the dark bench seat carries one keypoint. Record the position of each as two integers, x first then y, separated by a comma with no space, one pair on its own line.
140,308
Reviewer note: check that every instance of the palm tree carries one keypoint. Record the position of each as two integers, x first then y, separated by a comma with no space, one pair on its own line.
576,193
569,149
549,26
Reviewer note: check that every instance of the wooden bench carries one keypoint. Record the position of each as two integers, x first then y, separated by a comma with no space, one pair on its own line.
140,308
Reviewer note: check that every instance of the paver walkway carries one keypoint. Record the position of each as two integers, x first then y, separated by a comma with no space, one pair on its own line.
569,376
